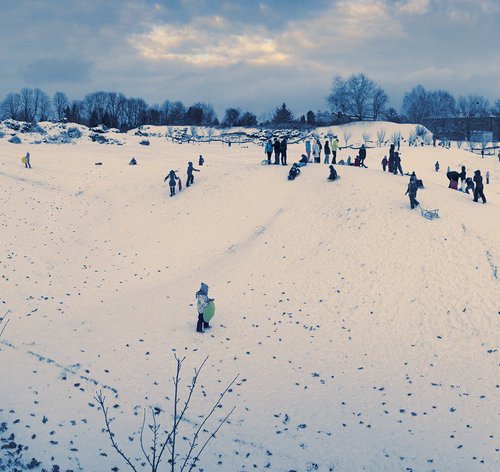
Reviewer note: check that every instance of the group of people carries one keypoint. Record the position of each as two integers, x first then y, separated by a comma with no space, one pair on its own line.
393,164
174,180
316,148
280,151
475,184
295,169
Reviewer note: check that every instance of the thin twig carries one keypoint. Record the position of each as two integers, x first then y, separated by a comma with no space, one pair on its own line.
101,400
6,322
193,443
141,439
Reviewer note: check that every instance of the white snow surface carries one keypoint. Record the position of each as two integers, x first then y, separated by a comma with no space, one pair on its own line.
365,336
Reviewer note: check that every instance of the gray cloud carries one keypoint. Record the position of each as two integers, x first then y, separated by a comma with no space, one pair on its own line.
57,70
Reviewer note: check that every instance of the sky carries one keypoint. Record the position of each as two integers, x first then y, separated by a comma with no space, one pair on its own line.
249,54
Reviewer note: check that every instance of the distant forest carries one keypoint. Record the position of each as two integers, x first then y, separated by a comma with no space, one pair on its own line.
352,98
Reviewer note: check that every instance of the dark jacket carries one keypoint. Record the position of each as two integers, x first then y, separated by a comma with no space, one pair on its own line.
362,153
327,148
462,174
276,146
453,175
333,173
191,169
283,146
171,175
478,180
412,188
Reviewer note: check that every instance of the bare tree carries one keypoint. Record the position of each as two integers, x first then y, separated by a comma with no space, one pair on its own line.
416,105
166,441
366,137
380,136
379,102
12,106
210,133
396,137
44,105
347,137
468,109
60,103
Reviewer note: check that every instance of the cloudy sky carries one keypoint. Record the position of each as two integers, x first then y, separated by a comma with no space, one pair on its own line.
254,54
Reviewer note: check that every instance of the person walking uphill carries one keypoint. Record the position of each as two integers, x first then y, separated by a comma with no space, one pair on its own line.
384,163
190,176
171,183
283,149
277,148
479,190
27,162
202,301
269,150
397,163
411,191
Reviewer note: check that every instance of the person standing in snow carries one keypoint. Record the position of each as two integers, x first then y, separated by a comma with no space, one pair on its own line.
362,156
463,176
333,173
469,185
308,150
277,148
384,163
190,176
171,183
327,152
436,166
411,191
201,161
27,162
335,146
478,191
397,163
487,177
283,149
269,150
202,301
316,151
320,149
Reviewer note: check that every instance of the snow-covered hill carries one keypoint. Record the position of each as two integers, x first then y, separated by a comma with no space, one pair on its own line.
366,336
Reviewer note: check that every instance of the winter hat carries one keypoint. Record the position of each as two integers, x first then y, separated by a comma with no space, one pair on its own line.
204,288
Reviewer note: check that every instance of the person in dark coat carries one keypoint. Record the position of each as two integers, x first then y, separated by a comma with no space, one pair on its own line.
479,190
411,191
283,148
303,160
436,166
333,173
202,301
190,176
463,176
133,162
453,177
391,152
294,171
397,163
469,185
362,156
384,163
171,183
327,152
277,149
201,161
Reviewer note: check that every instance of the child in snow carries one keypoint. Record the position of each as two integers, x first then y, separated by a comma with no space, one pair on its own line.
190,176
349,162
294,171
171,183
201,161
333,173
202,301
303,160
411,191
478,192
269,150
27,162
384,163
487,177
133,162
469,185
436,166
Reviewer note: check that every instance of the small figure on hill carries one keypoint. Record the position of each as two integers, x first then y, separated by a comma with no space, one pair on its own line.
133,162
436,166
411,191
202,301
463,176
397,163
487,177
308,150
268,149
333,173
27,161
469,185
277,148
201,161
294,171
172,177
384,163
179,186
327,152
283,149
320,149
335,147
362,156
356,161
482,153
349,162
316,151
478,191
190,176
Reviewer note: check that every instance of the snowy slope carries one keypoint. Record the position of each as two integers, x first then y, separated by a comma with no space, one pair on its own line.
365,336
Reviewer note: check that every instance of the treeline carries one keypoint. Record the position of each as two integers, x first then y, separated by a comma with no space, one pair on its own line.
351,98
